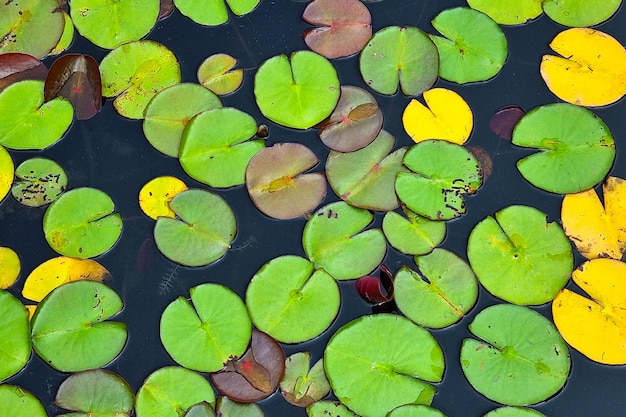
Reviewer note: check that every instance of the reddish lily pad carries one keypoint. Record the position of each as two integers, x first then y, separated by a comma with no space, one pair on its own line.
16,66
504,120
376,290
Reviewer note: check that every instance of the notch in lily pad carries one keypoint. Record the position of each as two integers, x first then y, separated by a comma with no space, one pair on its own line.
218,74
300,385
509,12
214,12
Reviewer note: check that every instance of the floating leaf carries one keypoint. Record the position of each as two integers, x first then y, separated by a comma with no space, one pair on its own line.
576,148
39,181
447,117
591,68
135,72
58,271
345,27
201,233
413,234
290,301
69,330
399,55
521,358
215,149
206,333
328,408
17,402
214,12
473,48
580,12
365,178
300,385
334,240
82,223
375,290
155,196
379,362
442,174
15,344
297,92
509,12
166,9
504,120
67,37
217,74
16,66
202,409
277,182
10,267
111,23
595,326
412,410
514,412
229,408
31,123
6,172
535,256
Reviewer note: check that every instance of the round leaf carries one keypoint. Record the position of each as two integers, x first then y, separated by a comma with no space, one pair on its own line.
206,333
229,408
216,73
379,362
413,234
82,224
214,12
580,12
521,359
509,12
412,410
576,148
297,92
202,409
39,181
328,408
15,344
514,412
535,256
155,196
6,172
9,267
17,402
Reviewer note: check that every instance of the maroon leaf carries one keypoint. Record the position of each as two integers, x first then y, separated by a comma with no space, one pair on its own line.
15,66
484,159
376,290
167,7
505,119
77,78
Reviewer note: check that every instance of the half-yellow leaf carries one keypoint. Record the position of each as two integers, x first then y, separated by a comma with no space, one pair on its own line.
7,172
591,70
156,194
595,327
445,116
9,267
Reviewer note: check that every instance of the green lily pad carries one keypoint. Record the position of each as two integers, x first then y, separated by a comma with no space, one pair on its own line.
31,123
82,223
514,412
413,234
170,110
580,13
214,12
300,385
413,410
201,233
366,178
17,402
535,256
399,55
229,408
577,148
135,72
334,240
96,392
379,362
297,92
202,409
290,301
215,149
15,345
39,181
439,293
216,73
67,37
443,173
473,47
509,12
171,391
328,408
206,333
522,359
69,328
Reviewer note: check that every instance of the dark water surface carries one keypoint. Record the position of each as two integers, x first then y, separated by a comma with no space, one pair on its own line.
110,153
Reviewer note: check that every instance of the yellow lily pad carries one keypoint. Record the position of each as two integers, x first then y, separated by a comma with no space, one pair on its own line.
7,172
591,70
156,194
445,116
595,326
9,267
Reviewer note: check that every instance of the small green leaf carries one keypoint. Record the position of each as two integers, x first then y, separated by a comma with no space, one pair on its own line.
15,344
214,12
17,402
216,73
413,234
514,412
39,181
580,13
300,385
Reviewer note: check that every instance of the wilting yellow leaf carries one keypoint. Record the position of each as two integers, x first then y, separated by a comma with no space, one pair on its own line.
447,117
591,70
57,271
595,230
596,327
7,172
9,267
156,194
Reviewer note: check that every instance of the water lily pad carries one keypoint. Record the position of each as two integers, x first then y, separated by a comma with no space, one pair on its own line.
15,344
521,358
299,91
329,408
169,112
229,408
334,240
278,184
514,412
509,12
135,72
208,331
215,149
505,119
82,223
111,23
376,290
379,362
10,267
442,174
214,12
202,409
155,196
16,66
17,402
39,181
412,410
580,12
576,148
7,172
31,123
535,256
473,47
291,301
67,37
366,178
413,234
202,232
70,328
300,385
399,55
216,73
